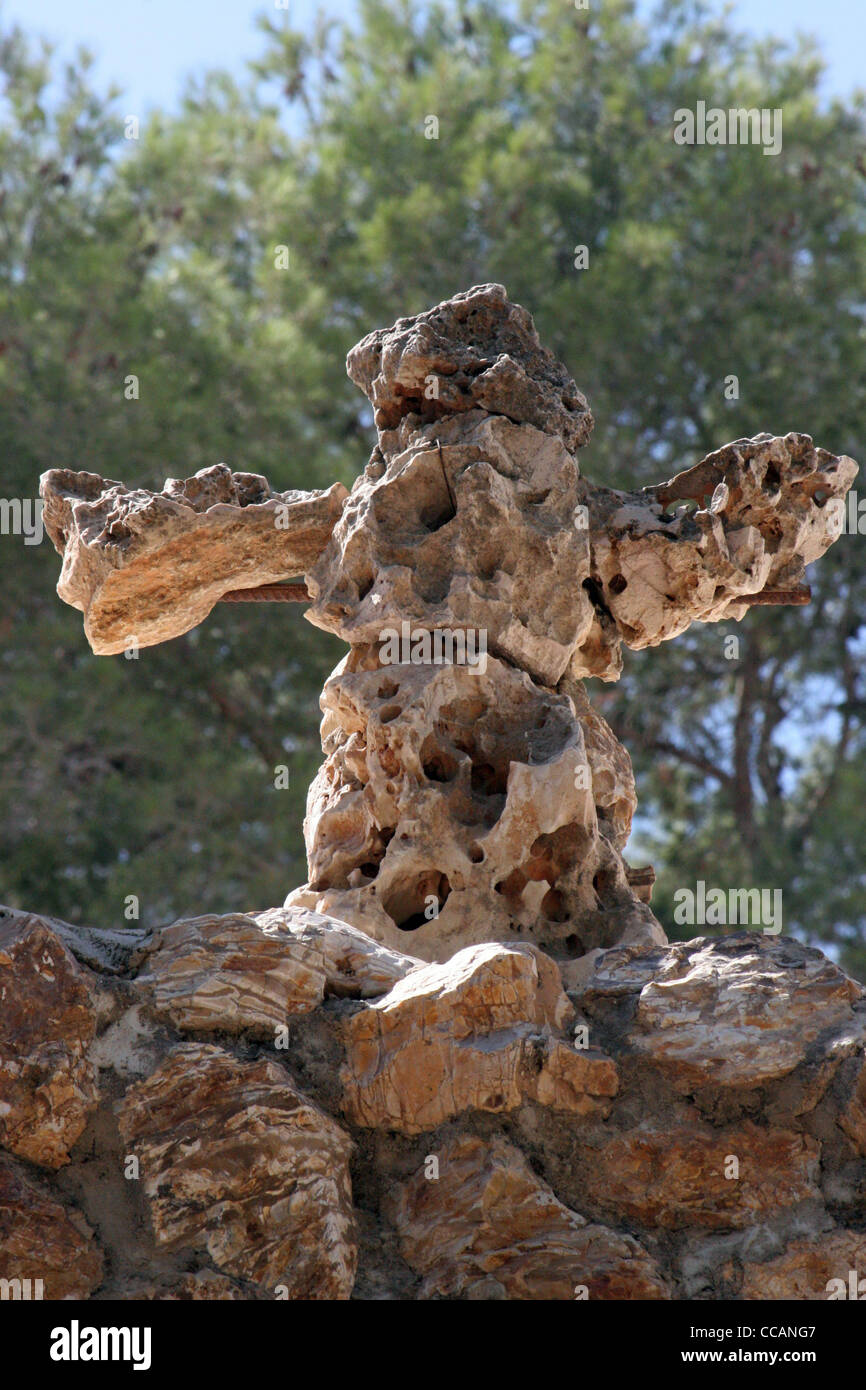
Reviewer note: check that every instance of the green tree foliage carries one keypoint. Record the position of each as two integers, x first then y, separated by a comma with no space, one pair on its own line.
157,257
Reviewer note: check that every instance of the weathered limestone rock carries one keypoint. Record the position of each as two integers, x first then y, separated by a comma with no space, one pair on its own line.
761,516
480,1033
474,523
489,1228
471,529
737,1012
354,966
230,973
47,1022
482,525
675,1177
481,350
146,566
808,1267
236,1161
41,1239
457,807
248,972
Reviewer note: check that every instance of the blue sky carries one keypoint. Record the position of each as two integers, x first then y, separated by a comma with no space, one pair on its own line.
149,46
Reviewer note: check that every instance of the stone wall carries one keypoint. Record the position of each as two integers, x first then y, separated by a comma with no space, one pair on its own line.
273,1105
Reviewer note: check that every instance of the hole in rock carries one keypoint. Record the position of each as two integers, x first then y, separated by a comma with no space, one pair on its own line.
512,886
408,905
596,596
432,518
387,690
476,853
488,780
618,584
380,843
772,478
604,882
438,764
389,712
412,923
542,862
553,907
365,585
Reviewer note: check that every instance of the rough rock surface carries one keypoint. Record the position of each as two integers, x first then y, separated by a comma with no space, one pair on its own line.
40,1238
47,1021
200,1287
853,1116
482,1032
236,1161
457,806
250,972
760,517
807,1269
487,1227
542,1099
730,1013
675,1177
145,566
482,351
108,951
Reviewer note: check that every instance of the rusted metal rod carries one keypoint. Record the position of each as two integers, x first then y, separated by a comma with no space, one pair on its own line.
298,592
799,595
269,593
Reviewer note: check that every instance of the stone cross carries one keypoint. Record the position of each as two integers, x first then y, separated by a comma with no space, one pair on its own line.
469,792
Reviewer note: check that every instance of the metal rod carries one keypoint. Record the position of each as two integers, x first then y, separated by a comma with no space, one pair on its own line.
269,593
299,593
800,595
